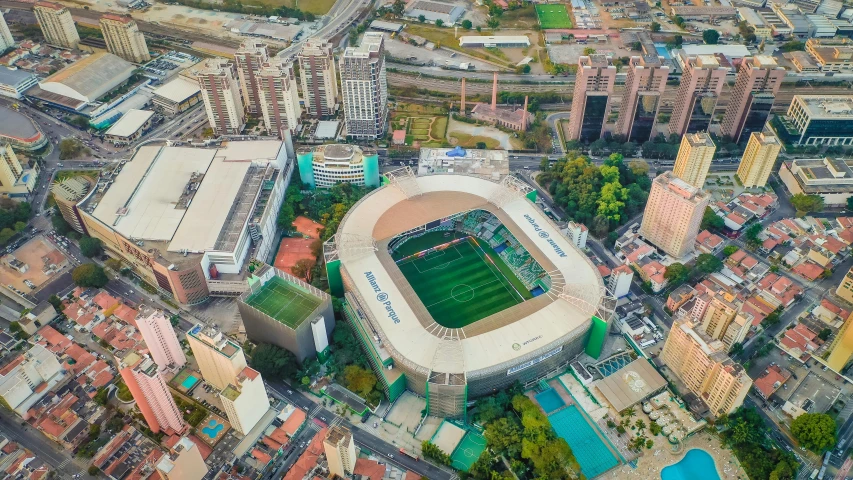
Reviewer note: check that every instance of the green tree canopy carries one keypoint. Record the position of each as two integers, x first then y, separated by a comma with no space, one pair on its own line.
466,24
359,380
707,263
815,431
70,148
711,37
807,203
655,27
676,274
711,221
89,275
273,361
729,250
90,246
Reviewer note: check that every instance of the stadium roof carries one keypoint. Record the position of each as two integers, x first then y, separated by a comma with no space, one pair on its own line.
631,384
16,125
130,123
185,196
13,76
502,339
178,89
90,78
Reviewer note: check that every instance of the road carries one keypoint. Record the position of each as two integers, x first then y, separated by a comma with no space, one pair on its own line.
46,450
342,14
364,439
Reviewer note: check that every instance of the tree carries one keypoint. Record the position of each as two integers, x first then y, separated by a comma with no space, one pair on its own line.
439,22
737,349
273,361
359,380
655,27
398,7
421,18
5,235
302,268
493,23
431,451
101,396
89,275
807,203
60,225
286,216
93,470
711,221
729,250
91,247
824,334
849,203
56,302
751,234
707,263
114,264
466,24
815,431
676,274
711,37
71,148
481,145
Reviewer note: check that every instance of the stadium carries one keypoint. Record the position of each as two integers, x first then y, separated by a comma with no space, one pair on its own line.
458,286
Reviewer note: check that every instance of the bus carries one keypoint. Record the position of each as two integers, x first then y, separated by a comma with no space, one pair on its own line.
411,455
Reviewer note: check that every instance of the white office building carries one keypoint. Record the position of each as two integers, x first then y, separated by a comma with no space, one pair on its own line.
364,87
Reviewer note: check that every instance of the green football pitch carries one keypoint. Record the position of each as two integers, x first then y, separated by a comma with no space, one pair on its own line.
553,16
283,302
461,283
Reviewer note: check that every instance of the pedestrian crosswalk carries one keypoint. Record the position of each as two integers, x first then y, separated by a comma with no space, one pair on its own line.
63,464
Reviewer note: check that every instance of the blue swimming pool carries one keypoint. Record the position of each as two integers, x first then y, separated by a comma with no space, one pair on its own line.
212,429
662,51
591,452
550,400
189,382
697,464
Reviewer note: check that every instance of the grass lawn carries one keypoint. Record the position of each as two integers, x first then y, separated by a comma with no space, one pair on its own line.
439,128
283,302
524,17
468,141
553,16
415,108
461,283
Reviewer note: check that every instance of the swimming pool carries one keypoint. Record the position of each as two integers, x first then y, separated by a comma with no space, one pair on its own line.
212,429
662,51
697,464
550,400
590,451
189,382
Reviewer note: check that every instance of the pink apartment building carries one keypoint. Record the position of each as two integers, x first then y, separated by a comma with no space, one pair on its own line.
673,214
758,81
644,86
696,98
160,338
151,394
591,100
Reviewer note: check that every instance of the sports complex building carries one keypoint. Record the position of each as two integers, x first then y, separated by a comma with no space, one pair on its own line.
459,286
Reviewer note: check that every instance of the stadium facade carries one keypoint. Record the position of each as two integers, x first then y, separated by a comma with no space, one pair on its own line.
566,308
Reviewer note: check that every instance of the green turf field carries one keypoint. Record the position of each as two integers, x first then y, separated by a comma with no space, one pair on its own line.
553,16
459,284
283,302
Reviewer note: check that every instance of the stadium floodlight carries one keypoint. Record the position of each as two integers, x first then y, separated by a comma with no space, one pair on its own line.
404,179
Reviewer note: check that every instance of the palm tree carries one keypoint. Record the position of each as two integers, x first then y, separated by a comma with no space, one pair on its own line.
629,412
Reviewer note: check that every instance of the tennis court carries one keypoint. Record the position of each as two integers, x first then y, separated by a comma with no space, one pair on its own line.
590,451
468,451
284,302
553,16
461,283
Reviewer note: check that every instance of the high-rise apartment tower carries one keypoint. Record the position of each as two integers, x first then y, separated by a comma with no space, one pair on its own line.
694,158
758,81
279,97
250,58
221,94
591,101
696,98
644,85
758,159
319,78
364,88
56,24
124,39
6,40
673,214
159,335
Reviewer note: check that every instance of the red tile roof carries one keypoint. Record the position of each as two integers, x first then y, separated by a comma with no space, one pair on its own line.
369,468
6,369
293,422
603,270
57,342
771,380
104,300
808,270
126,315
261,456
249,372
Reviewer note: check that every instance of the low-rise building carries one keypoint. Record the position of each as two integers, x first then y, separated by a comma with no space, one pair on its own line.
494,41
183,462
177,96
817,120
493,164
830,178
129,127
832,55
771,380
14,82
28,377
754,20
326,165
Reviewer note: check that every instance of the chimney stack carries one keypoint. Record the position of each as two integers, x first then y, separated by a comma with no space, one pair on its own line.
495,92
462,107
524,115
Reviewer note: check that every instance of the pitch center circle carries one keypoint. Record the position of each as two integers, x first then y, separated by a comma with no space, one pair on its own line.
462,293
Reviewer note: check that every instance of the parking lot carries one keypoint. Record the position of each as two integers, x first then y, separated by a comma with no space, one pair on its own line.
38,257
814,394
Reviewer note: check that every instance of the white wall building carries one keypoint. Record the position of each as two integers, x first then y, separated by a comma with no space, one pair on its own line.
245,401
319,78
6,40
619,283
22,381
221,94
577,233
